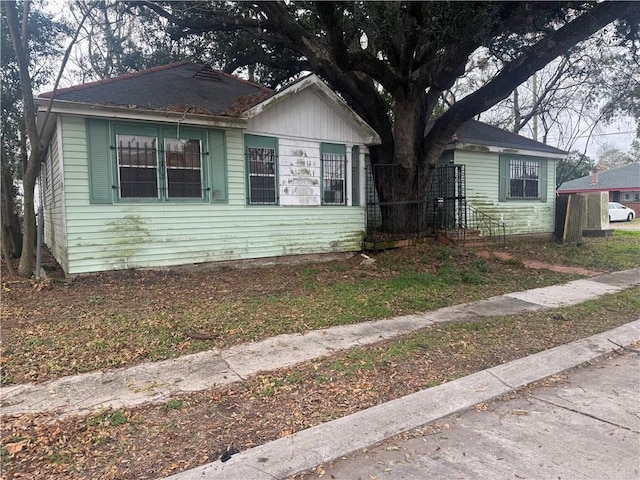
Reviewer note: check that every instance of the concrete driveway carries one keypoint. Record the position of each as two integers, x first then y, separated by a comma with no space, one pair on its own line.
634,225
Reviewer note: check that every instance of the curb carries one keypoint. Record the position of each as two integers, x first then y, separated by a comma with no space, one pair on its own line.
324,443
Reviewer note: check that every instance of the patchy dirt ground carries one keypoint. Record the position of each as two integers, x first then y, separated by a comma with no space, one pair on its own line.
116,319
150,442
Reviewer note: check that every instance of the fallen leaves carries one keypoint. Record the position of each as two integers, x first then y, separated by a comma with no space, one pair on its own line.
70,328
13,448
117,319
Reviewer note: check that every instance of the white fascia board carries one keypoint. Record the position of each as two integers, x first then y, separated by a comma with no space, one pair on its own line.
471,147
123,113
286,92
370,136
45,129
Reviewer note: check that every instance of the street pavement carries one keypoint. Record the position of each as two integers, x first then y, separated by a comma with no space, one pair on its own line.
328,443
584,424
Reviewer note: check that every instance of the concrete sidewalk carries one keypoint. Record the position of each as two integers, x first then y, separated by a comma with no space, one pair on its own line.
334,440
157,382
584,424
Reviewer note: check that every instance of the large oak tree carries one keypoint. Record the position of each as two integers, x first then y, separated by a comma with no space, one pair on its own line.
414,52
392,61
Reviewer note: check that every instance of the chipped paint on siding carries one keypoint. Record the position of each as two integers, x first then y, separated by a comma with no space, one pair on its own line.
299,170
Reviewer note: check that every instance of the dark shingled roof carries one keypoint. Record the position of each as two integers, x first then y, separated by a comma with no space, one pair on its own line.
478,133
188,87
626,177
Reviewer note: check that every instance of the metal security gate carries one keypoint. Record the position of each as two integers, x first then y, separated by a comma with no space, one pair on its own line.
440,206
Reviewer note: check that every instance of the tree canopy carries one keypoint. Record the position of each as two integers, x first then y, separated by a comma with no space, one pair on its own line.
414,52
393,61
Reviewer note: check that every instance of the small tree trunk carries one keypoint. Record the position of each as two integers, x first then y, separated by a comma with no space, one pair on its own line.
6,252
26,266
11,232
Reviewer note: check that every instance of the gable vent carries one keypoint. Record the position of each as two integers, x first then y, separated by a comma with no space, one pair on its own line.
207,73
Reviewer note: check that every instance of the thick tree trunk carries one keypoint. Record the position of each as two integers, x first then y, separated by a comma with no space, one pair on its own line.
402,175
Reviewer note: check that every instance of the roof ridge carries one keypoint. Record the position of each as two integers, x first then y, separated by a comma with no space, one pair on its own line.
103,81
248,82
603,172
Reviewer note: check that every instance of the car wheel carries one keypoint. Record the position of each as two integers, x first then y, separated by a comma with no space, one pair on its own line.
630,217
609,218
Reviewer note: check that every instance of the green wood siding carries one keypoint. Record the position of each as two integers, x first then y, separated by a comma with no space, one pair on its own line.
483,192
53,207
128,235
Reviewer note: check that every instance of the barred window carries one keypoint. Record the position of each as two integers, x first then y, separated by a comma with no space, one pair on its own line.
524,178
137,166
334,167
145,171
262,175
183,161
355,175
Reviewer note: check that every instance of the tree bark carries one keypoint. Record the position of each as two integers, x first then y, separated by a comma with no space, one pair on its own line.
20,41
11,230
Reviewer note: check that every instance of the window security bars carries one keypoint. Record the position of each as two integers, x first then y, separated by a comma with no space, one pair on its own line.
523,179
334,167
184,168
137,166
262,176
355,176
144,170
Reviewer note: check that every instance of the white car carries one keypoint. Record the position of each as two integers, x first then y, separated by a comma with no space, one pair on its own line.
620,213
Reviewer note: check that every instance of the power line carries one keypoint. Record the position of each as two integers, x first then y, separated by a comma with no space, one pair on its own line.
606,134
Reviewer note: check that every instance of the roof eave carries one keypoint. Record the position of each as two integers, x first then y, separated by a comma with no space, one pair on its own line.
476,147
597,189
125,113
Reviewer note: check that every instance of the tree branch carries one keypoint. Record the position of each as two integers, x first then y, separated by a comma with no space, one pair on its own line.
199,25
533,59
65,59
268,60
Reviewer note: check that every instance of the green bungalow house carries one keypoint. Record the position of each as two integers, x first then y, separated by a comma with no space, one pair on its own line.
509,178
182,164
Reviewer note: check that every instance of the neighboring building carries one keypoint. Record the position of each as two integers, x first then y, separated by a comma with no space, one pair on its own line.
510,178
181,164
622,184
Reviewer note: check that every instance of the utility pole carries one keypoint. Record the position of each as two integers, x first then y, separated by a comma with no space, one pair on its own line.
534,87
